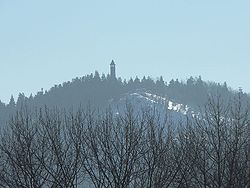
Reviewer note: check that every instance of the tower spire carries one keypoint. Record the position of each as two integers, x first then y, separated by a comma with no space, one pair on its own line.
112,69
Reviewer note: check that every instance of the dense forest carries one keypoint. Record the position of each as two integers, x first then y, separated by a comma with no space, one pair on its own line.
98,90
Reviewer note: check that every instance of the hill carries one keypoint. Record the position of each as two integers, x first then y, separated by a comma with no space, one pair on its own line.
98,91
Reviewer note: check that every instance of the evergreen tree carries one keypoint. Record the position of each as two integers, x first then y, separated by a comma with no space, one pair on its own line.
12,102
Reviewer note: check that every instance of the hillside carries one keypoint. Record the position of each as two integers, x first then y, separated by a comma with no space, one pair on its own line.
98,91
134,143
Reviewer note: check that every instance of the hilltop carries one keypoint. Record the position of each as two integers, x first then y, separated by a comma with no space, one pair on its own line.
98,90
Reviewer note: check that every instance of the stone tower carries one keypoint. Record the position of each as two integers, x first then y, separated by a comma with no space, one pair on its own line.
112,69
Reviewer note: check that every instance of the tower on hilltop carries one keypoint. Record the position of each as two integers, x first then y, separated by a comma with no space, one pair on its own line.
112,69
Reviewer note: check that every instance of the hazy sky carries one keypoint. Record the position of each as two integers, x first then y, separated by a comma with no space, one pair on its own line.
47,42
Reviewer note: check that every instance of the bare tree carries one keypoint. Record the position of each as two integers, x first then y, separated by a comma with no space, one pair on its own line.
19,145
112,146
222,133
40,150
51,148
64,161
157,165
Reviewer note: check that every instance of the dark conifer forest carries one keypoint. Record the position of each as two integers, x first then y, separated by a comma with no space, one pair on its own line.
97,90
69,136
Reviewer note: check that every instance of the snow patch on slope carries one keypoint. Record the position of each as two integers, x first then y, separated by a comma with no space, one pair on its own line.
169,104
142,99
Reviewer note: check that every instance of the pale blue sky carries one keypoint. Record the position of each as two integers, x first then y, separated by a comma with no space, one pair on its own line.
47,42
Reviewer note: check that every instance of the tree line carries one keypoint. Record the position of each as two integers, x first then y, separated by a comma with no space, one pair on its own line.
49,147
99,89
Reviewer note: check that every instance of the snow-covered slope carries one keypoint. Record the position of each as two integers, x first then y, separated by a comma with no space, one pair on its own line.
140,100
170,105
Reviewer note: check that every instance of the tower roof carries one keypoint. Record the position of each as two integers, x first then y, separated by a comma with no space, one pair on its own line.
112,62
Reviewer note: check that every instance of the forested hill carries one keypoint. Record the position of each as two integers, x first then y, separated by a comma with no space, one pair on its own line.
99,90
